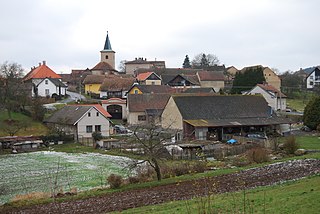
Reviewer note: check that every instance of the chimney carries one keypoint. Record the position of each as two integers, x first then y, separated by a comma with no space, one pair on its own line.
39,64
44,62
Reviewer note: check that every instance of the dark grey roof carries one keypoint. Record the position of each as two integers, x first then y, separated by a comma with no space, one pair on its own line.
222,107
141,102
107,44
199,90
57,82
154,88
68,115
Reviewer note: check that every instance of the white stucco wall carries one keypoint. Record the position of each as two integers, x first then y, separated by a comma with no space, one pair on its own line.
93,120
272,100
311,81
50,87
132,118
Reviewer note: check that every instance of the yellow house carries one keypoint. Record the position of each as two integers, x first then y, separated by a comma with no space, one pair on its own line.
92,83
148,78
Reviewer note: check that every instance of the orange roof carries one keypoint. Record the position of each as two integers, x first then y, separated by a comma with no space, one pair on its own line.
143,76
98,107
41,72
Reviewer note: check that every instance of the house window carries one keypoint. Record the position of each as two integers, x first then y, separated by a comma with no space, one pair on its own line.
142,118
89,129
47,92
153,83
136,91
97,128
311,83
89,114
46,82
97,114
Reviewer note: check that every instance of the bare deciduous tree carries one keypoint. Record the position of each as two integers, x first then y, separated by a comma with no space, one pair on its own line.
203,60
151,140
11,86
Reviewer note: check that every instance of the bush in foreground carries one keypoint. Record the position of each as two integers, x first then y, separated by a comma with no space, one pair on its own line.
258,155
290,146
114,181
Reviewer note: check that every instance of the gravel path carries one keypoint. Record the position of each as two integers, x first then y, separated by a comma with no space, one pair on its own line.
261,176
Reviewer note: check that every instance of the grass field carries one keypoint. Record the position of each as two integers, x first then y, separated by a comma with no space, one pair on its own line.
301,196
46,171
308,142
34,128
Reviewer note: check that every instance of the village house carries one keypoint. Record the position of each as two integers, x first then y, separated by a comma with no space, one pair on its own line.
145,109
313,78
211,79
218,117
92,84
148,78
149,89
81,121
45,82
116,107
132,66
116,86
275,98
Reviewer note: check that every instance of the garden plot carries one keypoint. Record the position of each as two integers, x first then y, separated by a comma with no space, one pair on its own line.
56,171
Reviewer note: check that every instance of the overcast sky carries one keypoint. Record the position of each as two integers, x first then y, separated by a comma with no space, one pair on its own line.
69,34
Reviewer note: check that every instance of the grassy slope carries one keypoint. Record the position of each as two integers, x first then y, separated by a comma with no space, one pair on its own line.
35,128
301,196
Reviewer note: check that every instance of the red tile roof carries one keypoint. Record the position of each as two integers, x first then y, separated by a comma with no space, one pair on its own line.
41,72
211,76
98,107
104,66
141,102
268,87
143,76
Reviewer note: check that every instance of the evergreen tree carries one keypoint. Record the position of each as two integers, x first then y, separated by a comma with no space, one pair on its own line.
246,80
186,63
311,116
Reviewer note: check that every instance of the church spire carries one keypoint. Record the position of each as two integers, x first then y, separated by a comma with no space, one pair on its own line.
107,54
107,44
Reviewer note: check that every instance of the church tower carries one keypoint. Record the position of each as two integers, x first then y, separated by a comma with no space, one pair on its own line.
107,54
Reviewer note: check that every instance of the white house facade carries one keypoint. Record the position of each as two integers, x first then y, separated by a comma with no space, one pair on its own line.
275,99
313,79
48,87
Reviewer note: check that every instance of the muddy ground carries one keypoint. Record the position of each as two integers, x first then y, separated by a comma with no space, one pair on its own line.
262,176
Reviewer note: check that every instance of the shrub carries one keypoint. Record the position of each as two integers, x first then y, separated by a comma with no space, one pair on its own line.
32,195
240,161
258,155
114,181
290,145
199,167
133,180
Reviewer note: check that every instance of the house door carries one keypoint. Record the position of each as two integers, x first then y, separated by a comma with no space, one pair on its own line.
115,111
